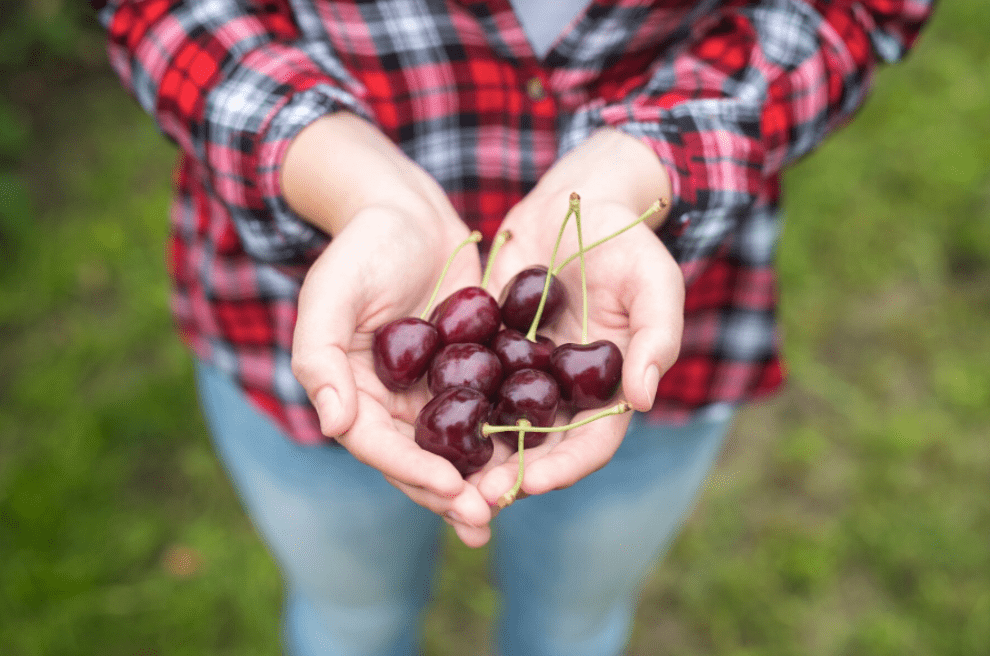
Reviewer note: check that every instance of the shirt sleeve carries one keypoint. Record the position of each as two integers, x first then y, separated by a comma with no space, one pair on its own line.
752,88
231,82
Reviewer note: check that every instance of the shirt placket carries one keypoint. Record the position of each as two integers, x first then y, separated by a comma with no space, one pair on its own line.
530,73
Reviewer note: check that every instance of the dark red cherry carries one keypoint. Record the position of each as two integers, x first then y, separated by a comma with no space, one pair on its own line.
465,365
450,426
470,314
516,352
521,297
588,374
402,351
527,394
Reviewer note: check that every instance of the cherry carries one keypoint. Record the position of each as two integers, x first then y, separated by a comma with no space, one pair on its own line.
402,350
517,352
470,314
465,365
520,299
528,394
588,374
450,426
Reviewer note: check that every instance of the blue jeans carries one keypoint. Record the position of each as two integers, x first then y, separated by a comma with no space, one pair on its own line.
358,557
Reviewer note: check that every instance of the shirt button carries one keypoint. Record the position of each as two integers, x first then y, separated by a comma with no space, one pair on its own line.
535,89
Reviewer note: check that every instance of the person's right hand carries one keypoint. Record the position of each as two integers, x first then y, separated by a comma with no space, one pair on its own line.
393,230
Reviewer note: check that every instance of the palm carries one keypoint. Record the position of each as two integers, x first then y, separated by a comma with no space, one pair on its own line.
383,272
608,271
373,272
634,297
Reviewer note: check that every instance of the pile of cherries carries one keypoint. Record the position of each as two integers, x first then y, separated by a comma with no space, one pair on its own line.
487,376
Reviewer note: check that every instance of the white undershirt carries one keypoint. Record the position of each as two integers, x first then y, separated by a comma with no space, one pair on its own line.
544,20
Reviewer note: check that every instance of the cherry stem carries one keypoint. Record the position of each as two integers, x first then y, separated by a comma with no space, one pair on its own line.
497,244
653,209
531,335
576,207
618,409
473,238
510,496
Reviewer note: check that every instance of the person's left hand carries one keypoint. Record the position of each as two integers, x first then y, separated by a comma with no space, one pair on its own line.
635,293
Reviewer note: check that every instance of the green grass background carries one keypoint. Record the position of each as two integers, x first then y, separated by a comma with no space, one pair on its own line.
848,515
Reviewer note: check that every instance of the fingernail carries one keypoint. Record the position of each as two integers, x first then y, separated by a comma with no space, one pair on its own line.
328,407
650,381
454,517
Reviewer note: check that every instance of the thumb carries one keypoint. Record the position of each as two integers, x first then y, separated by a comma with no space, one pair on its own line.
325,326
327,377
651,352
656,324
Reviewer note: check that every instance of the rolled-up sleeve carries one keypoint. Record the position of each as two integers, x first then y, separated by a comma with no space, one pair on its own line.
751,89
232,83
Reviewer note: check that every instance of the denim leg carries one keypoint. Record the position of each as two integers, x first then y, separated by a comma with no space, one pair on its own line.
357,556
570,564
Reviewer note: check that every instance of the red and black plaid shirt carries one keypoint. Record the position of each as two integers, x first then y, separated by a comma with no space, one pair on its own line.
726,92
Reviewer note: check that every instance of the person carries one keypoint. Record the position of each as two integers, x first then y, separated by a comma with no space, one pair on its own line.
333,154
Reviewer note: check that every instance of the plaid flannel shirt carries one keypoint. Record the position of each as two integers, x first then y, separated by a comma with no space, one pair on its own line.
727,93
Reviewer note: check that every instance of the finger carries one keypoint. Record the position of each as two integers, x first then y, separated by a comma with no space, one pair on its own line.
656,323
471,536
375,441
583,450
327,372
651,352
467,508
501,474
470,508
325,324
497,508
503,457
500,480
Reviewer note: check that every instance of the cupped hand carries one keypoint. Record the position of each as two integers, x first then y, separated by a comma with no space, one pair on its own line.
391,238
635,293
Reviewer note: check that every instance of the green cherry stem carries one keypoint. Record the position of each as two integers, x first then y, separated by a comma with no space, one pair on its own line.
497,244
473,238
653,209
576,207
510,496
531,335
618,409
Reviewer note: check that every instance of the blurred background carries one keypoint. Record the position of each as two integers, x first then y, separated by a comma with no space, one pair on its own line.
848,515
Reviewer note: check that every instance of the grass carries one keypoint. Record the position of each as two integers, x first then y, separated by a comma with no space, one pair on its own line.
848,515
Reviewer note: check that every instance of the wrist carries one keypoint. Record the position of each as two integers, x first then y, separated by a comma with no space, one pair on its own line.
340,165
611,168
617,177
